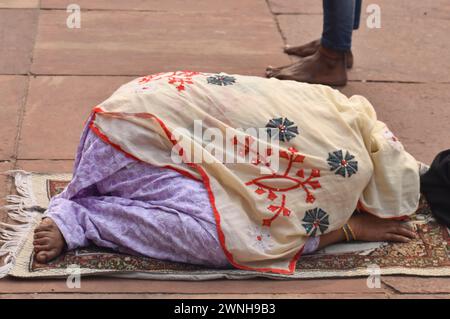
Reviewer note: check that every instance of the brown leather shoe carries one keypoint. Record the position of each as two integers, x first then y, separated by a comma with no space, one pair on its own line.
310,48
326,67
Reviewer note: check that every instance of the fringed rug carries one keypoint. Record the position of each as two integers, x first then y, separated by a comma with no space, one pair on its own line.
428,255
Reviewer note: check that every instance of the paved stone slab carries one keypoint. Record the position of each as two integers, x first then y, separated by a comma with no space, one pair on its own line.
420,296
193,296
12,92
56,110
419,114
417,285
17,31
45,166
196,6
419,56
296,7
136,43
115,285
19,3
417,8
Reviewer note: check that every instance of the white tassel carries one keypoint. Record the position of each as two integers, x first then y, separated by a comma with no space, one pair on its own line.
20,208
22,182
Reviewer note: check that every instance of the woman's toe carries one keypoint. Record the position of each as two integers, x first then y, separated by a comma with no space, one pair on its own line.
272,73
41,241
38,248
43,234
283,76
42,257
270,70
42,228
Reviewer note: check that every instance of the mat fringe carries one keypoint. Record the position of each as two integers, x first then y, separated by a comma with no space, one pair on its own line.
21,209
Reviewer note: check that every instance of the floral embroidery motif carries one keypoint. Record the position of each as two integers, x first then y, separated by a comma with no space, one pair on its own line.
344,166
262,237
178,78
277,195
286,128
315,219
221,80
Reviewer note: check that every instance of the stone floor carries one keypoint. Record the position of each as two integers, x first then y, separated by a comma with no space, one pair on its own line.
49,72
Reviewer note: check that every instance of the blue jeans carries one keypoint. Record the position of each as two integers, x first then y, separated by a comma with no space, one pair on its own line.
340,18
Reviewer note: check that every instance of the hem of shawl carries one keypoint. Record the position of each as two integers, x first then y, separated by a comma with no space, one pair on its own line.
205,180
364,209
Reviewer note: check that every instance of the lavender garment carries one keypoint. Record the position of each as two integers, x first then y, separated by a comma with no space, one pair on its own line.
116,202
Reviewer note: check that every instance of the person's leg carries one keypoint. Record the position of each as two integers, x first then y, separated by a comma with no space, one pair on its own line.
328,64
357,15
338,23
105,185
337,17
129,226
329,20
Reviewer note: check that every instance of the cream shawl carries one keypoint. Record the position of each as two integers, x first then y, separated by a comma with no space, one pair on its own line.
334,156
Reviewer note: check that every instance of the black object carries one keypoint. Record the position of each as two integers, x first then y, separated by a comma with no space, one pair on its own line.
435,185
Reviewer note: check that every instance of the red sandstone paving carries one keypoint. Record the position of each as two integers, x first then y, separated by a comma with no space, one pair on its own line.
419,114
237,7
12,94
417,285
56,110
200,296
257,286
17,30
45,166
220,296
19,4
295,7
136,43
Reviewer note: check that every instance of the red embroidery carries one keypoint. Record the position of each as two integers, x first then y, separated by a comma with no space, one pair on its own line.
246,148
277,210
178,78
298,179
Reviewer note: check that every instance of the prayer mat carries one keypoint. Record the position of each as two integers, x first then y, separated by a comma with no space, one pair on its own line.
428,255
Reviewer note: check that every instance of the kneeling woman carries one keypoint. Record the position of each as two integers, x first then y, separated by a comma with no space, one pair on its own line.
341,175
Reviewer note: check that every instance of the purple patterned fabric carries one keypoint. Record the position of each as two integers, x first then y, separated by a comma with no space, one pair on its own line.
117,202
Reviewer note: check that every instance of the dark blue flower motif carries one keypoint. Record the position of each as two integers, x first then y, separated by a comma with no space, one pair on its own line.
344,166
222,80
315,219
286,129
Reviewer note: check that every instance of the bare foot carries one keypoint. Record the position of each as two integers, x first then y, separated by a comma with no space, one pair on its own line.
48,241
303,50
310,48
323,67
371,228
